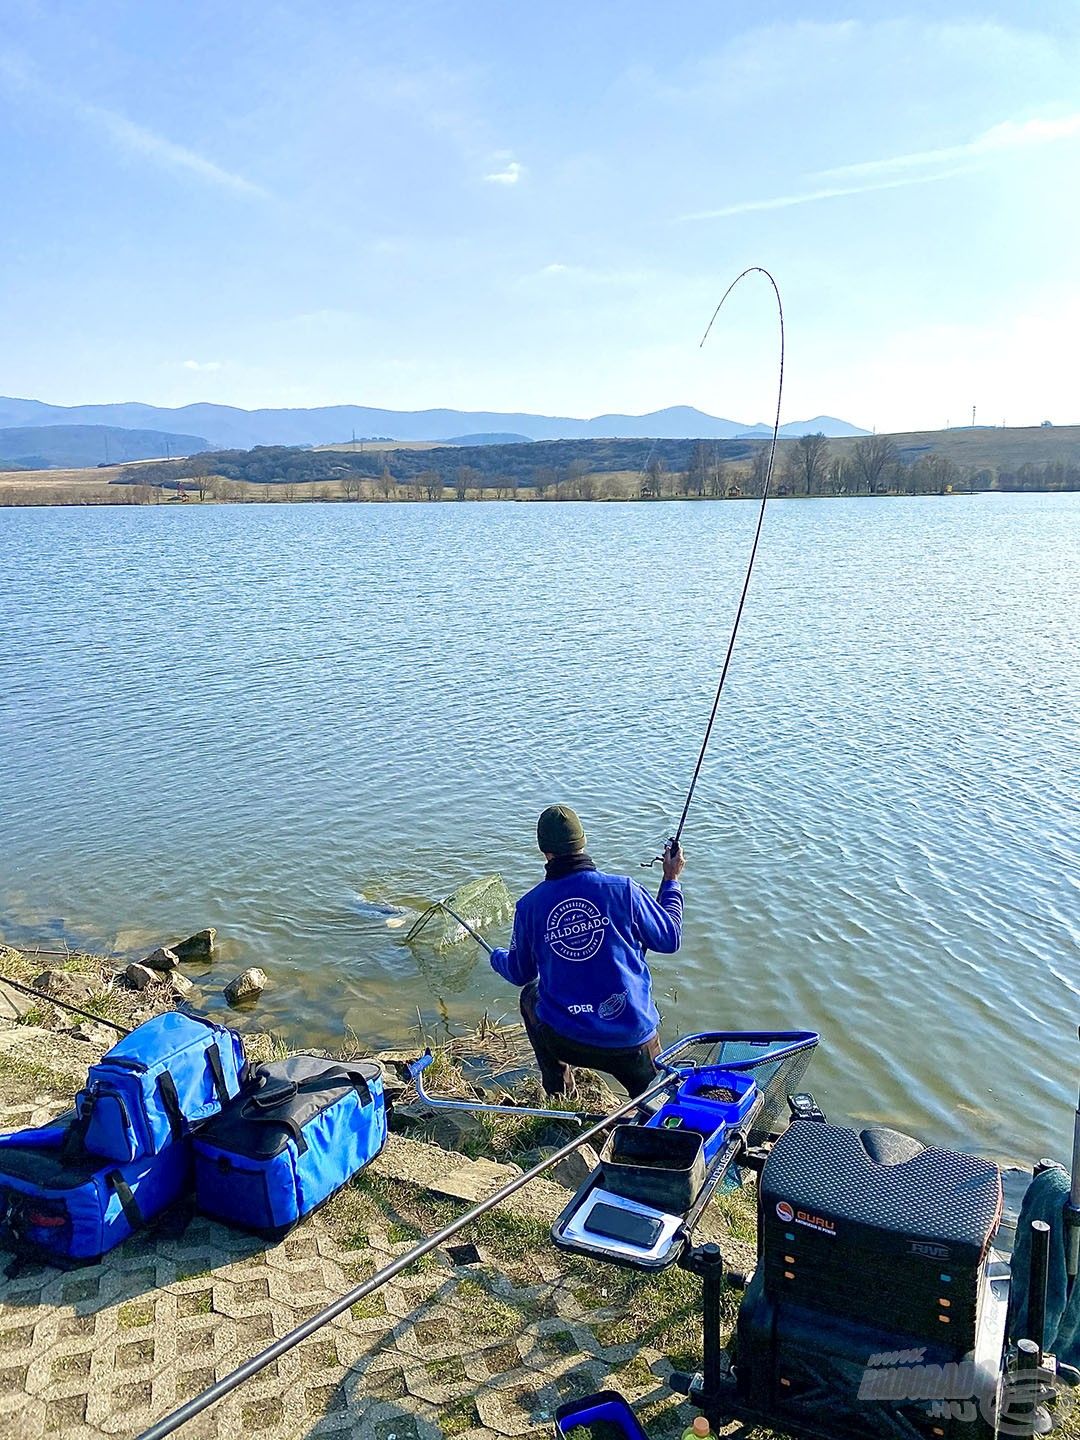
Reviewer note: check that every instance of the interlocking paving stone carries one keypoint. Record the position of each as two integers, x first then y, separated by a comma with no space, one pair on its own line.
100,1353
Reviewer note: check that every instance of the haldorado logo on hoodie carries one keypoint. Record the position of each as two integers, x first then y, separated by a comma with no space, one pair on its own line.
575,929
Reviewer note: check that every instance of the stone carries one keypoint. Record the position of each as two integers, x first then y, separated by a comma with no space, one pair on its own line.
199,946
14,1005
246,986
575,1168
394,1060
139,977
100,1036
405,1116
180,985
59,985
451,1128
162,959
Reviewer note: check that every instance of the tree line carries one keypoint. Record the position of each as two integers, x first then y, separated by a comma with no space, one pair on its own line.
591,470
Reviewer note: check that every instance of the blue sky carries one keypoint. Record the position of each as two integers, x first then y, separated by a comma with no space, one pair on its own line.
536,206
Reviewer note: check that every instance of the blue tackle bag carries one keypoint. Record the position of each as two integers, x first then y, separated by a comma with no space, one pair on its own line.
71,1209
168,1075
301,1129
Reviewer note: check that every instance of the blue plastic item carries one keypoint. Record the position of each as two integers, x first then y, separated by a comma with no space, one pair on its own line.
605,1405
701,1119
742,1086
169,1074
70,1209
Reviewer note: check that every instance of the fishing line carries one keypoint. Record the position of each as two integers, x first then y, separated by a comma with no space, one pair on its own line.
750,270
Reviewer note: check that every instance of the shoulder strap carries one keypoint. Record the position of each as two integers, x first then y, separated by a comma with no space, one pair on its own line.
122,1190
170,1101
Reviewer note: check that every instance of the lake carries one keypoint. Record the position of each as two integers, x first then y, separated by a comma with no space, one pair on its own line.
275,718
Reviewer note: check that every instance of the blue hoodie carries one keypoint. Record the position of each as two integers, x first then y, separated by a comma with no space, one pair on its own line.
584,936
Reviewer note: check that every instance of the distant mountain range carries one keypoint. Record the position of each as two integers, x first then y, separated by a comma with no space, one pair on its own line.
70,447
226,427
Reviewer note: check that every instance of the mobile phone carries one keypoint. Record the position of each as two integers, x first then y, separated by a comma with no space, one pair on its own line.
616,1224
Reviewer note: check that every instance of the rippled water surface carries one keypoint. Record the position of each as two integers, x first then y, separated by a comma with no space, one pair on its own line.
274,719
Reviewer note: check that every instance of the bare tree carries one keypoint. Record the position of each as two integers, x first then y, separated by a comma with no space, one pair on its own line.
871,457
656,472
386,482
702,462
350,485
429,482
464,476
543,476
808,461
759,468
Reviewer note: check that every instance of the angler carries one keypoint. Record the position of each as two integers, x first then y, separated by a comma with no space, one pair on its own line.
578,950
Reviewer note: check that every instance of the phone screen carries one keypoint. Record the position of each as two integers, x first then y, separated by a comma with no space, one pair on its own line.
616,1224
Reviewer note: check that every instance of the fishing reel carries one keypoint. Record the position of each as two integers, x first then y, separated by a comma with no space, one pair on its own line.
671,851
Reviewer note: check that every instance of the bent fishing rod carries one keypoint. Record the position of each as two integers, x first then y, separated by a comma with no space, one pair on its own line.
674,842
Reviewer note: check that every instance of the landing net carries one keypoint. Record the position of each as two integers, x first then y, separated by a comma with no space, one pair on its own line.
475,905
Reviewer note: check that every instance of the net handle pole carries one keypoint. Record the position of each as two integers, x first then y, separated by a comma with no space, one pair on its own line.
466,927
251,1367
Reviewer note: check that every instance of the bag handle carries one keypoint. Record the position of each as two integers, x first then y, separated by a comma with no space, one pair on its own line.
74,1143
170,1102
268,1097
349,1073
217,1072
287,1123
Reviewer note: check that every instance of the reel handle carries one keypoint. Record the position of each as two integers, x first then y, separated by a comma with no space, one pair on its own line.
672,848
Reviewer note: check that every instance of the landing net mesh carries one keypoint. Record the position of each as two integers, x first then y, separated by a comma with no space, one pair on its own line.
479,903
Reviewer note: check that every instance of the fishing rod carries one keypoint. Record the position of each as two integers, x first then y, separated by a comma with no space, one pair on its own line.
750,270
63,1005
337,1307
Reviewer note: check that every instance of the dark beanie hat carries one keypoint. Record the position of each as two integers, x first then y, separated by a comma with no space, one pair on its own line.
559,831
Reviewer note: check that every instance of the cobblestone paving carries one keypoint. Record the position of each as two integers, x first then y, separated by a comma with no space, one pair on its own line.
103,1351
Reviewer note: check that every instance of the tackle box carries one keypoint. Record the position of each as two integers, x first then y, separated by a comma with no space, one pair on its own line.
693,1119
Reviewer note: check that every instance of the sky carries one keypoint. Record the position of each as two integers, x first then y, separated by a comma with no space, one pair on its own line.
510,206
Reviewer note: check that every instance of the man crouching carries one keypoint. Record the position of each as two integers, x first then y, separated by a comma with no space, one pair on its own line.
578,949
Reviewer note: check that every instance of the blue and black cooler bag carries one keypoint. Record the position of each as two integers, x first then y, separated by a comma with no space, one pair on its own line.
63,1206
299,1131
167,1076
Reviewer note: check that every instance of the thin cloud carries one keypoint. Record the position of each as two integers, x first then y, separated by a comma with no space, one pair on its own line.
509,175
21,75
203,365
810,197
141,141
587,275
999,139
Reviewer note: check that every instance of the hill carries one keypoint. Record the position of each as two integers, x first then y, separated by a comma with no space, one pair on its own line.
912,463
228,427
58,447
